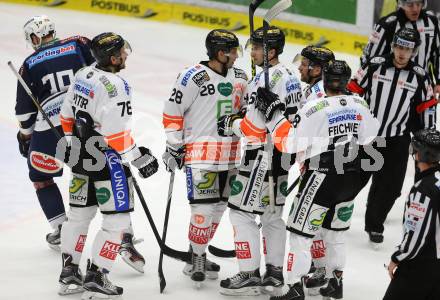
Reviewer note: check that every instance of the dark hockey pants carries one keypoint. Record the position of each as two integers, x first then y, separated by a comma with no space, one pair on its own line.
387,182
415,281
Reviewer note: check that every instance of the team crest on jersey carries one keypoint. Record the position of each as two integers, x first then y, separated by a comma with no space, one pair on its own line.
200,78
51,53
240,74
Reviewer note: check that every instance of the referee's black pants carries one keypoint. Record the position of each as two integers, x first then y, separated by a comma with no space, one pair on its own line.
415,280
387,182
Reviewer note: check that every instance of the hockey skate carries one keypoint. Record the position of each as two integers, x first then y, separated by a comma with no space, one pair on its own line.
71,280
273,280
98,286
198,272
315,281
242,284
53,239
129,253
212,268
291,292
334,288
376,239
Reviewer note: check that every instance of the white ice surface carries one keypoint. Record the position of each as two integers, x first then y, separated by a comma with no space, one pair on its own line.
30,270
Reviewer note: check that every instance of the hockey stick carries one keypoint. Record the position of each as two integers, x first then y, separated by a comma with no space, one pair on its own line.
162,281
231,253
179,255
34,100
252,8
269,16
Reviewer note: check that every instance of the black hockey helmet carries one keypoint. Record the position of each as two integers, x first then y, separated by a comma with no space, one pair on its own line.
220,39
317,55
106,45
275,38
336,73
426,142
408,38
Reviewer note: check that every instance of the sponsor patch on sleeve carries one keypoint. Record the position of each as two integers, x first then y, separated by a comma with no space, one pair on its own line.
200,78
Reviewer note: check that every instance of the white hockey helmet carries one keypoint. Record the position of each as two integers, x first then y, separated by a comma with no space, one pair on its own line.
41,26
403,2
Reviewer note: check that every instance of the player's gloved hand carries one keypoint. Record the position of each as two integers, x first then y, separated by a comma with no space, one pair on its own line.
23,144
173,157
224,123
268,103
147,164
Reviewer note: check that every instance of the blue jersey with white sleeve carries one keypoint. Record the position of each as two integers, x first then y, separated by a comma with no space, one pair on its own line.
48,71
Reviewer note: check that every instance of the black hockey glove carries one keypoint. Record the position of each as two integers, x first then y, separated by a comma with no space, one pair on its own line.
23,144
147,164
224,123
268,103
173,158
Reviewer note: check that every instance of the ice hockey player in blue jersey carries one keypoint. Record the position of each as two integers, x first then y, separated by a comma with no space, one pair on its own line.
48,72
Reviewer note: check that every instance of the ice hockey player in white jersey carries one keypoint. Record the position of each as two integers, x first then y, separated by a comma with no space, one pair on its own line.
201,94
250,188
325,137
313,61
96,115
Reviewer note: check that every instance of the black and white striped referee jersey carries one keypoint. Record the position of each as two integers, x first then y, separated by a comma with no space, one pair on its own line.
401,99
427,25
421,223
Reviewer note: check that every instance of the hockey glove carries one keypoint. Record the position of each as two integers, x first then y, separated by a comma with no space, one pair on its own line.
147,164
224,123
23,144
268,103
173,158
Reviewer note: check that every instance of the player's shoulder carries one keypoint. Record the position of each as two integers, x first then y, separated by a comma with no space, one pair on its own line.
315,106
377,60
112,84
388,20
240,74
359,101
417,69
194,75
77,39
431,15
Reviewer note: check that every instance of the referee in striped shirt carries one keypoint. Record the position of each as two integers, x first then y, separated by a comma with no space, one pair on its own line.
401,98
415,265
411,14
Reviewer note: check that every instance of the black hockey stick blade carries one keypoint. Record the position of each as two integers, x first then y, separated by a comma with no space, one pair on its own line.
176,254
162,281
220,252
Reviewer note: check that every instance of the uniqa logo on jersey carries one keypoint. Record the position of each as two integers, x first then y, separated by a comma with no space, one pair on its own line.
118,181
